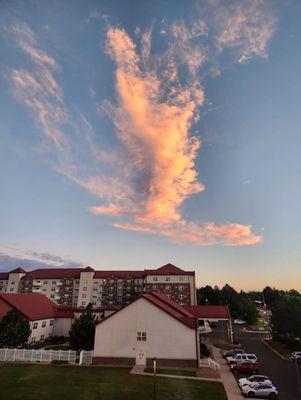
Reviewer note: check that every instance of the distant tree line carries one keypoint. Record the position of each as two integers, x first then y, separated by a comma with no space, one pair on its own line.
240,303
285,321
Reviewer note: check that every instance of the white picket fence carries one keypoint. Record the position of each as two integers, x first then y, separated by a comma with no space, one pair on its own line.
85,357
42,356
209,363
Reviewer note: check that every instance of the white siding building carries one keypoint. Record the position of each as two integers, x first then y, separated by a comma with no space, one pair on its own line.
151,327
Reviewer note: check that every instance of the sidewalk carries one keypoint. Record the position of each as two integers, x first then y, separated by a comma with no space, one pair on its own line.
230,384
139,370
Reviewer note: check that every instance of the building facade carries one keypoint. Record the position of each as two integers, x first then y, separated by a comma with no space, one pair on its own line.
152,326
78,287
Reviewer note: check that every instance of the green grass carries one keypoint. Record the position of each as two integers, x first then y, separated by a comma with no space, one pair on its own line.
171,371
45,382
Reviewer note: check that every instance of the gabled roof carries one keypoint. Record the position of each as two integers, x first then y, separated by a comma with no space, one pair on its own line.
88,269
18,271
53,273
168,269
163,303
204,312
34,306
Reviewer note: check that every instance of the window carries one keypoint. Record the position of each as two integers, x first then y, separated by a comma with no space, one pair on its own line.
168,295
180,278
54,282
45,282
38,281
13,282
53,289
52,296
181,296
155,279
11,289
43,324
181,287
35,325
83,303
141,336
84,296
167,279
33,339
51,322
44,290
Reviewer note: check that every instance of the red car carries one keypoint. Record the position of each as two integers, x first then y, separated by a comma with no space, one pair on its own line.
245,367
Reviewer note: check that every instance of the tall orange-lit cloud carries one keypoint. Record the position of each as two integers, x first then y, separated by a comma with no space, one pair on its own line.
152,171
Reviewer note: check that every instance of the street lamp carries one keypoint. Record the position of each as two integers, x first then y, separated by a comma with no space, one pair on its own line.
155,372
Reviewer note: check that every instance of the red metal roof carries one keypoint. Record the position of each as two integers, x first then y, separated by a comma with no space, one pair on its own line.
34,306
53,273
18,271
168,269
4,276
204,312
4,308
163,303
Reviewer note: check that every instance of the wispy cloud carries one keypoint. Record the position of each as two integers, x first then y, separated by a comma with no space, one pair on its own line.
12,257
144,181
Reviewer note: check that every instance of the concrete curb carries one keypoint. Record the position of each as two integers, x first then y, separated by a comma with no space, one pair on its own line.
275,351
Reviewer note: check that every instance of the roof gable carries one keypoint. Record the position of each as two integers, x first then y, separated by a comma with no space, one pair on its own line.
215,312
18,271
168,269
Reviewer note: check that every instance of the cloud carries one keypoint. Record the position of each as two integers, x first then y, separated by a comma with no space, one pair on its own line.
245,26
12,257
143,181
38,89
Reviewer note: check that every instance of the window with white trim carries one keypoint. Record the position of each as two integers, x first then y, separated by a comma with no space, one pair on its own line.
35,325
44,324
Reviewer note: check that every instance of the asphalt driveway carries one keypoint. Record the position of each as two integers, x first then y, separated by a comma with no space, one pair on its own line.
283,373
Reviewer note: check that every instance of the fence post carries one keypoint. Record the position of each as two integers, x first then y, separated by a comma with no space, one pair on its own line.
81,357
5,353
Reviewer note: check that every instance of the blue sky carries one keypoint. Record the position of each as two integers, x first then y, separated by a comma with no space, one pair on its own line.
133,134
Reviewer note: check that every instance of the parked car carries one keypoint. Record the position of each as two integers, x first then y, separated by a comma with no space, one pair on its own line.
296,356
245,367
239,322
262,390
233,352
254,379
241,357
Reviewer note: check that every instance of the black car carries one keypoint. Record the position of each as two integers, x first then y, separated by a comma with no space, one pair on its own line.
233,352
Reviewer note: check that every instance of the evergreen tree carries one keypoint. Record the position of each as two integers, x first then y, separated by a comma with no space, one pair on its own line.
82,332
14,329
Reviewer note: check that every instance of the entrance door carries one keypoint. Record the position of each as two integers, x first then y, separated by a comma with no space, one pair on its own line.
140,357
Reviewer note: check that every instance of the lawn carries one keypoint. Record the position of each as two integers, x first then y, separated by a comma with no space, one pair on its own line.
43,382
171,371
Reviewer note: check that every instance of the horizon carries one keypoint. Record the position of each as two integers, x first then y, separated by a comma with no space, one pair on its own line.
171,133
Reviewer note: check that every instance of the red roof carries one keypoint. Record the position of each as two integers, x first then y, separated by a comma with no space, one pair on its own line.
34,306
4,308
88,269
4,276
53,273
168,269
170,307
18,271
204,312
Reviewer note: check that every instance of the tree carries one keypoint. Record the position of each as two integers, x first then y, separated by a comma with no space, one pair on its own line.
14,329
83,330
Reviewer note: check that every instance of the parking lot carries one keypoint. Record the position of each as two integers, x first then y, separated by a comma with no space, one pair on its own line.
285,375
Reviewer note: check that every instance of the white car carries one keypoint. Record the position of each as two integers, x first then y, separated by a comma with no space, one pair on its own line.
239,322
241,357
253,380
296,356
262,390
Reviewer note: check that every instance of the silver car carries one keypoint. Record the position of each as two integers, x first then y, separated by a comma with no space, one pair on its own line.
262,390
253,380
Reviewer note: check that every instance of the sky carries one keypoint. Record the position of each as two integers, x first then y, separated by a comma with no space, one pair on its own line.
137,133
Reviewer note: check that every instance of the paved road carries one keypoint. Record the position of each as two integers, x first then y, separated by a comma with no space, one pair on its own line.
284,374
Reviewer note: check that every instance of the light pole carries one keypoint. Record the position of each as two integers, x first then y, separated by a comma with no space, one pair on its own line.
155,372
